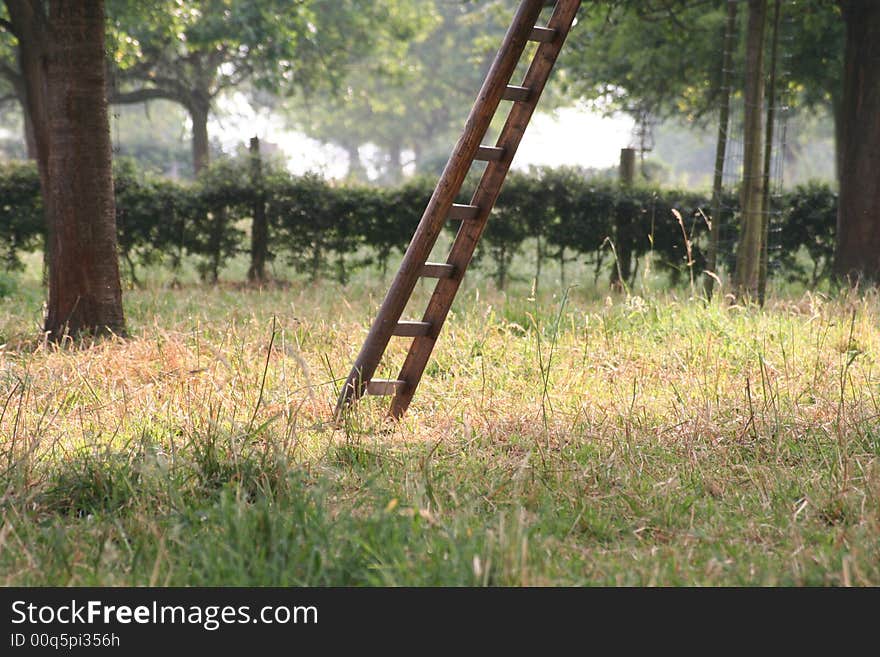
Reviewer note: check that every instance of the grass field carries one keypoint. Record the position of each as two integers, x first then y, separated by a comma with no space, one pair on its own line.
568,439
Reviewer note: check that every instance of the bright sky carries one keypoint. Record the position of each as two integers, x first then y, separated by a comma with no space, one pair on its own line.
568,136
574,136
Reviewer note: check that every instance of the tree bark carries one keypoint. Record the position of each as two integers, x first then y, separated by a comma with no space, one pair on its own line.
539,258
31,29
748,256
201,151
85,294
858,219
395,163
623,223
30,138
259,227
837,116
721,145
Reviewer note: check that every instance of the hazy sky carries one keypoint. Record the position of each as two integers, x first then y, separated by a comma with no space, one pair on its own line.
569,136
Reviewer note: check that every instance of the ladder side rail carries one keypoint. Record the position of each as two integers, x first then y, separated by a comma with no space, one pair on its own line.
487,192
435,214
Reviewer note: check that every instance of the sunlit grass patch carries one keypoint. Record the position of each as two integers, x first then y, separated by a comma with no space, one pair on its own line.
573,438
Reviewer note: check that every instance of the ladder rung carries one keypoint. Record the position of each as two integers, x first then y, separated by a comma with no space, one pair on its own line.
437,270
463,212
410,329
517,94
546,42
383,386
543,34
489,153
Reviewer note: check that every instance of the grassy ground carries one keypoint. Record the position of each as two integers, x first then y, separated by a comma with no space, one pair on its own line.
565,440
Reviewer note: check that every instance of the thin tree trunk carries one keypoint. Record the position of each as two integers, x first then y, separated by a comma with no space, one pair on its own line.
316,260
600,260
417,155
395,163
132,269
341,269
562,265
748,256
623,223
85,294
199,109
501,268
217,226
539,256
768,157
31,28
356,169
201,153
30,139
259,226
721,145
858,218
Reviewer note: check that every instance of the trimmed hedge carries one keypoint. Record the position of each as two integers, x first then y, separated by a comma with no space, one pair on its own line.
21,212
323,229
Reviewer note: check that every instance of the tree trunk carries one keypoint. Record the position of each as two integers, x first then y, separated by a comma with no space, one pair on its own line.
539,258
31,28
562,265
501,268
395,163
85,295
837,115
216,220
198,113
30,139
768,157
418,154
259,227
721,145
623,223
356,169
858,218
748,256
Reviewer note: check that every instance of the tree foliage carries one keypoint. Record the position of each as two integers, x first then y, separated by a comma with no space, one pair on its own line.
411,96
325,230
191,51
665,57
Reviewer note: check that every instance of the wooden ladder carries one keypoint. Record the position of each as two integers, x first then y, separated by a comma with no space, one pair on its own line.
473,216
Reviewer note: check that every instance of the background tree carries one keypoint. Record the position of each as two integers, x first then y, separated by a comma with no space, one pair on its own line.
189,52
409,96
154,135
661,58
12,83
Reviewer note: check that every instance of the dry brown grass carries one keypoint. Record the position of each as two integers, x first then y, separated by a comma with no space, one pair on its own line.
672,442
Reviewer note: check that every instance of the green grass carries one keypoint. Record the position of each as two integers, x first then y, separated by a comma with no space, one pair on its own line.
572,439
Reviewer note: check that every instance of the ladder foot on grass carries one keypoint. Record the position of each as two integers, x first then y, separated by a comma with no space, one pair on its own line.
473,216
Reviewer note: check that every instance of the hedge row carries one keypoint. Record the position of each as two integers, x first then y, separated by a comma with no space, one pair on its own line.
324,229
